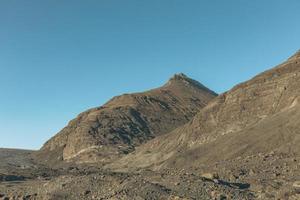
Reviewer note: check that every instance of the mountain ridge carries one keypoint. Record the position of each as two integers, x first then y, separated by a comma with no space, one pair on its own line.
125,121
243,106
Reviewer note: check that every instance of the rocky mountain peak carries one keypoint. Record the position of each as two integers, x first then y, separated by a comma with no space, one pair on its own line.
182,79
179,76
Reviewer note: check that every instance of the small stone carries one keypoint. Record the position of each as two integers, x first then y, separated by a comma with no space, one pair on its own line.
232,178
27,197
102,176
213,194
87,192
216,181
222,197
296,184
276,174
210,176
251,172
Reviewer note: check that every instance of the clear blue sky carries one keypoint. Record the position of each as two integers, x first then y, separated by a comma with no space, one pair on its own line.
58,57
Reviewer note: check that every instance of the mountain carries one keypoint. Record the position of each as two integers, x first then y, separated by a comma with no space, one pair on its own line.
178,141
249,135
126,121
259,116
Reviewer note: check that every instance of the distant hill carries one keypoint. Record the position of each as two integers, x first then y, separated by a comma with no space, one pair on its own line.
14,158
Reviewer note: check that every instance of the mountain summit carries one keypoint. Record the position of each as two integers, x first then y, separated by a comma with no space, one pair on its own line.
127,121
181,78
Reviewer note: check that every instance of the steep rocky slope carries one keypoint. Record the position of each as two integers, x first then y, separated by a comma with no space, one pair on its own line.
127,121
257,116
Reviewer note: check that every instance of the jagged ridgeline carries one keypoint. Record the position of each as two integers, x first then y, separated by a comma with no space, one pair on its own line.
126,121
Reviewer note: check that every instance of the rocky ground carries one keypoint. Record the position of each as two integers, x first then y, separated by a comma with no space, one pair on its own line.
261,176
92,183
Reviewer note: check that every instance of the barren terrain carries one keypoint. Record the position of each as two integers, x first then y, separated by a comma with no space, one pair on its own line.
179,141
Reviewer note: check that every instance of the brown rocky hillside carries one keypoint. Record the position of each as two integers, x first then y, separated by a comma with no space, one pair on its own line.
257,116
127,121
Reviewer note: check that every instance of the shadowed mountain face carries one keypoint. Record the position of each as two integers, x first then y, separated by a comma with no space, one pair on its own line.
258,116
127,121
